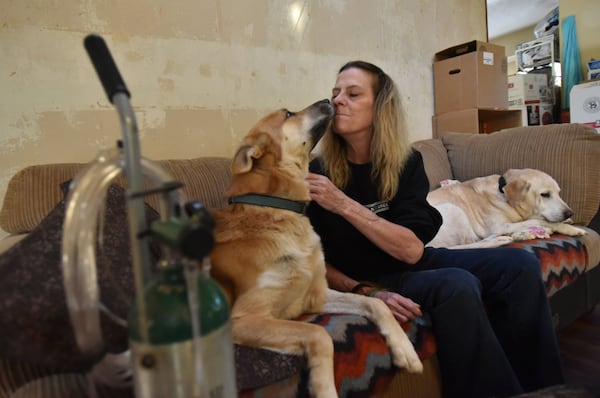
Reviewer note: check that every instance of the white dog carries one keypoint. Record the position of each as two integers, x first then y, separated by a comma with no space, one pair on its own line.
495,210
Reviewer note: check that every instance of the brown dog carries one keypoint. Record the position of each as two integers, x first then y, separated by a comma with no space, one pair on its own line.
269,260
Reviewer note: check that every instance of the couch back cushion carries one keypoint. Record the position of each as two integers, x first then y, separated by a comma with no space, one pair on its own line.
34,191
204,179
436,162
568,152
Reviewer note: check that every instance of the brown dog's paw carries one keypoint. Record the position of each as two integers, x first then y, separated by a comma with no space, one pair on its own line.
405,357
415,365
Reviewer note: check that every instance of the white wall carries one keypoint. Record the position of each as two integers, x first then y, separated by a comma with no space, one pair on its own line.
201,72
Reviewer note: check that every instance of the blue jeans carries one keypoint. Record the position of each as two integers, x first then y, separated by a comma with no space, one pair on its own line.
490,317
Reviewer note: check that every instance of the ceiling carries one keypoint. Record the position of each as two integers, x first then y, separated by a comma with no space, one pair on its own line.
507,16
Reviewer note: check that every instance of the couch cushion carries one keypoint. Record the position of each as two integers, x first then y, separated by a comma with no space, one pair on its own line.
34,191
204,179
435,157
568,152
35,324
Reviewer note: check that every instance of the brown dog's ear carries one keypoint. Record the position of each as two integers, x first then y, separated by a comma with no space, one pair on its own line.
244,157
515,190
255,148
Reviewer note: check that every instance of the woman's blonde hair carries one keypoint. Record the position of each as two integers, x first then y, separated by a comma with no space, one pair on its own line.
389,147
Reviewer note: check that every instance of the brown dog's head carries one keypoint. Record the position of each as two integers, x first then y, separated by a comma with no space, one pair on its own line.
535,194
274,157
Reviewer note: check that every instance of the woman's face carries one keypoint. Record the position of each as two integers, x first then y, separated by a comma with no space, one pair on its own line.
354,100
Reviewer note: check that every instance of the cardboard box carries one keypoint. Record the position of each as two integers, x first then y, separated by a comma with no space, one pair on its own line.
585,104
475,121
470,75
529,88
536,113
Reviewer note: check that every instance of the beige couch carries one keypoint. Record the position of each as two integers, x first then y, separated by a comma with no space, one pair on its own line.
568,152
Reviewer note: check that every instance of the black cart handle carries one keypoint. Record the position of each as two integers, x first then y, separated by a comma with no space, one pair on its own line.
105,66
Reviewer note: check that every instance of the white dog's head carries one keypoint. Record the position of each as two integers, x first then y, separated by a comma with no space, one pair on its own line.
535,195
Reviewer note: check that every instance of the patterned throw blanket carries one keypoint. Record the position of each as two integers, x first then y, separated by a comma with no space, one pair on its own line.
563,259
362,362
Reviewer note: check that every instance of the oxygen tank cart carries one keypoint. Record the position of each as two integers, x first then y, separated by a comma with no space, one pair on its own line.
179,325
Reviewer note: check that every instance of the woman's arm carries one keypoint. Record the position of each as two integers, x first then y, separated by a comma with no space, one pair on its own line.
396,240
403,309
338,280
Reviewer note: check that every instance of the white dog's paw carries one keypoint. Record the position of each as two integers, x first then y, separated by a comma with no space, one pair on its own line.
569,230
522,235
496,241
504,240
532,232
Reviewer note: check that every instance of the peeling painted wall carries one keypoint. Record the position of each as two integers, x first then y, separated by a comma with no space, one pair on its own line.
201,72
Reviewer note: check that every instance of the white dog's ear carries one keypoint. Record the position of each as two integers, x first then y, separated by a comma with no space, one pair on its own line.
515,190
244,158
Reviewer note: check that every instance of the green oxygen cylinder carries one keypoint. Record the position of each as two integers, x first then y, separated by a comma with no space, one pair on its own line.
177,355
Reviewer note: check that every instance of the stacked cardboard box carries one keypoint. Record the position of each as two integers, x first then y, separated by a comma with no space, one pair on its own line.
530,94
470,90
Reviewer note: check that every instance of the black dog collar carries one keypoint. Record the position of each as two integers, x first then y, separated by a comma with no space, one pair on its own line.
501,184
270,201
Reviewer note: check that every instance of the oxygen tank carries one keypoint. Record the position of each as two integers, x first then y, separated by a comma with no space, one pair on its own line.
189,352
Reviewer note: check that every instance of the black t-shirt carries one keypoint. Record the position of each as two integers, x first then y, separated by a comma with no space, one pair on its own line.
350,251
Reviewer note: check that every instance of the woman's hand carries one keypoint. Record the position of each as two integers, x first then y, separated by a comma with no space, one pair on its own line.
325,193
404,309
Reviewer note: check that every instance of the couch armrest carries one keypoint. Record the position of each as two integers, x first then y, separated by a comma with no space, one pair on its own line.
595,223
435,158
32,193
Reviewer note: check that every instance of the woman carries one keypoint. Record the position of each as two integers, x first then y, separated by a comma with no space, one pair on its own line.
489,310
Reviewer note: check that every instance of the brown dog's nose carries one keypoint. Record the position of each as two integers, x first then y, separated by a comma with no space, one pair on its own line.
567,214
325,106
